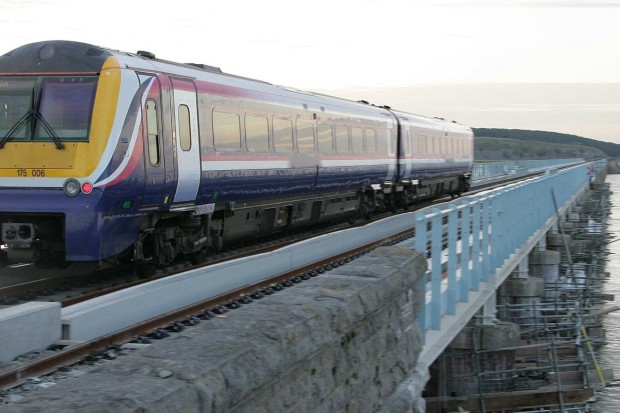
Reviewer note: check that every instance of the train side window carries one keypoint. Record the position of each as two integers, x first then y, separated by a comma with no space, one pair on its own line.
326,138
185,136
226,131
357,139
256,133
152,131
282,135
371,140
342,139
417,143
305,136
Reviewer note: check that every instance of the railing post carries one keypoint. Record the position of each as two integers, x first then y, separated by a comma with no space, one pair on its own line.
485,231
466,281
420,246
497,240
452,291
475,249
436,248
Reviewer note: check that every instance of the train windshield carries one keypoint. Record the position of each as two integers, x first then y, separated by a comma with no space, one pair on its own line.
56,108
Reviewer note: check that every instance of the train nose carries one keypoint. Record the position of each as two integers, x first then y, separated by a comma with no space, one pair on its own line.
18,234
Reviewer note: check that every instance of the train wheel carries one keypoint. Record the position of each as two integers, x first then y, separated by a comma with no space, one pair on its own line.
198,256
49,259
145,269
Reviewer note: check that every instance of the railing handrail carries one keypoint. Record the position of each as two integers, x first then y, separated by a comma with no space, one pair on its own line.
485,170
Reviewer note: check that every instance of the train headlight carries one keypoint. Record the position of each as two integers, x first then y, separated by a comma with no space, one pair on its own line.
71,187
9,232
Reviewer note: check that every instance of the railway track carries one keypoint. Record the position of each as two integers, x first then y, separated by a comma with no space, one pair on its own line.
159,327
78,287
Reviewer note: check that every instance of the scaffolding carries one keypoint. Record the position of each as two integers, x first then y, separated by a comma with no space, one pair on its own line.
553,366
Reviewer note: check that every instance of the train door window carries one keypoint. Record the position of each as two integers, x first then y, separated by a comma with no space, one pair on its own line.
185,136
226,131
357,139
282,135
407,141
152,131
326,138
371,140
256,133
305,136
342,139
390,137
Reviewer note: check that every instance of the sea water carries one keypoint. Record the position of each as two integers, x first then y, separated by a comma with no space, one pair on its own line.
609,398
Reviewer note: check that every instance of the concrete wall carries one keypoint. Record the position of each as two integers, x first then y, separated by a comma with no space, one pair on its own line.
28,327
346,341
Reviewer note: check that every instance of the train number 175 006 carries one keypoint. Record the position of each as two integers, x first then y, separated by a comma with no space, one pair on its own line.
37,173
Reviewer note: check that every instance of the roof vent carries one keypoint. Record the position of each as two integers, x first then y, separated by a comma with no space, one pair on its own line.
93,52
146,54
206,67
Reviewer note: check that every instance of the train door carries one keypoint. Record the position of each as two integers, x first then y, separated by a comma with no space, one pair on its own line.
187,145
154,165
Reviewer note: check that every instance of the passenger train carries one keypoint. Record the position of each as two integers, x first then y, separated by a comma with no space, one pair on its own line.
106,155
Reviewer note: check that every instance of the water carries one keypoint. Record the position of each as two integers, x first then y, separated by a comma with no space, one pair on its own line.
609,399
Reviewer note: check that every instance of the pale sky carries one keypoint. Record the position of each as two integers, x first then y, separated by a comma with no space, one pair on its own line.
526,64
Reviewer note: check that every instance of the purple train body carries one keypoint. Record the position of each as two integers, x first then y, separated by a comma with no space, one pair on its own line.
106,154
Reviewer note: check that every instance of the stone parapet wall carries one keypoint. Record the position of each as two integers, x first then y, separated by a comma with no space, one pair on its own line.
346,341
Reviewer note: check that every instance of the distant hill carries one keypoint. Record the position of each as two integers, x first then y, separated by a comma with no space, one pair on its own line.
498,144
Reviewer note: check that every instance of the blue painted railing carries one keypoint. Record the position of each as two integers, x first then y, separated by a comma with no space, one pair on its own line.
471,240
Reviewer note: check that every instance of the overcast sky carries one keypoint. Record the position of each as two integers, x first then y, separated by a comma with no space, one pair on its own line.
527,64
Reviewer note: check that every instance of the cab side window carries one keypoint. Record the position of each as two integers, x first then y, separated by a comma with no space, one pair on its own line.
152,131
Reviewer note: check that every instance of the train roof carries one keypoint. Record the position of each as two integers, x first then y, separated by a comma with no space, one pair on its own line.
64,56
54,56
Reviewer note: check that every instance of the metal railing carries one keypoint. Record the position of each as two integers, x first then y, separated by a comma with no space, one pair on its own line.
486,170
483,234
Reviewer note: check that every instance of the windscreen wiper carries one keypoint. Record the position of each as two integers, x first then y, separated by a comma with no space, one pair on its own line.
24,120
50,131
16,128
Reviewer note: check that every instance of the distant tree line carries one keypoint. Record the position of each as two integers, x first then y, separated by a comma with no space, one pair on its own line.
610,149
